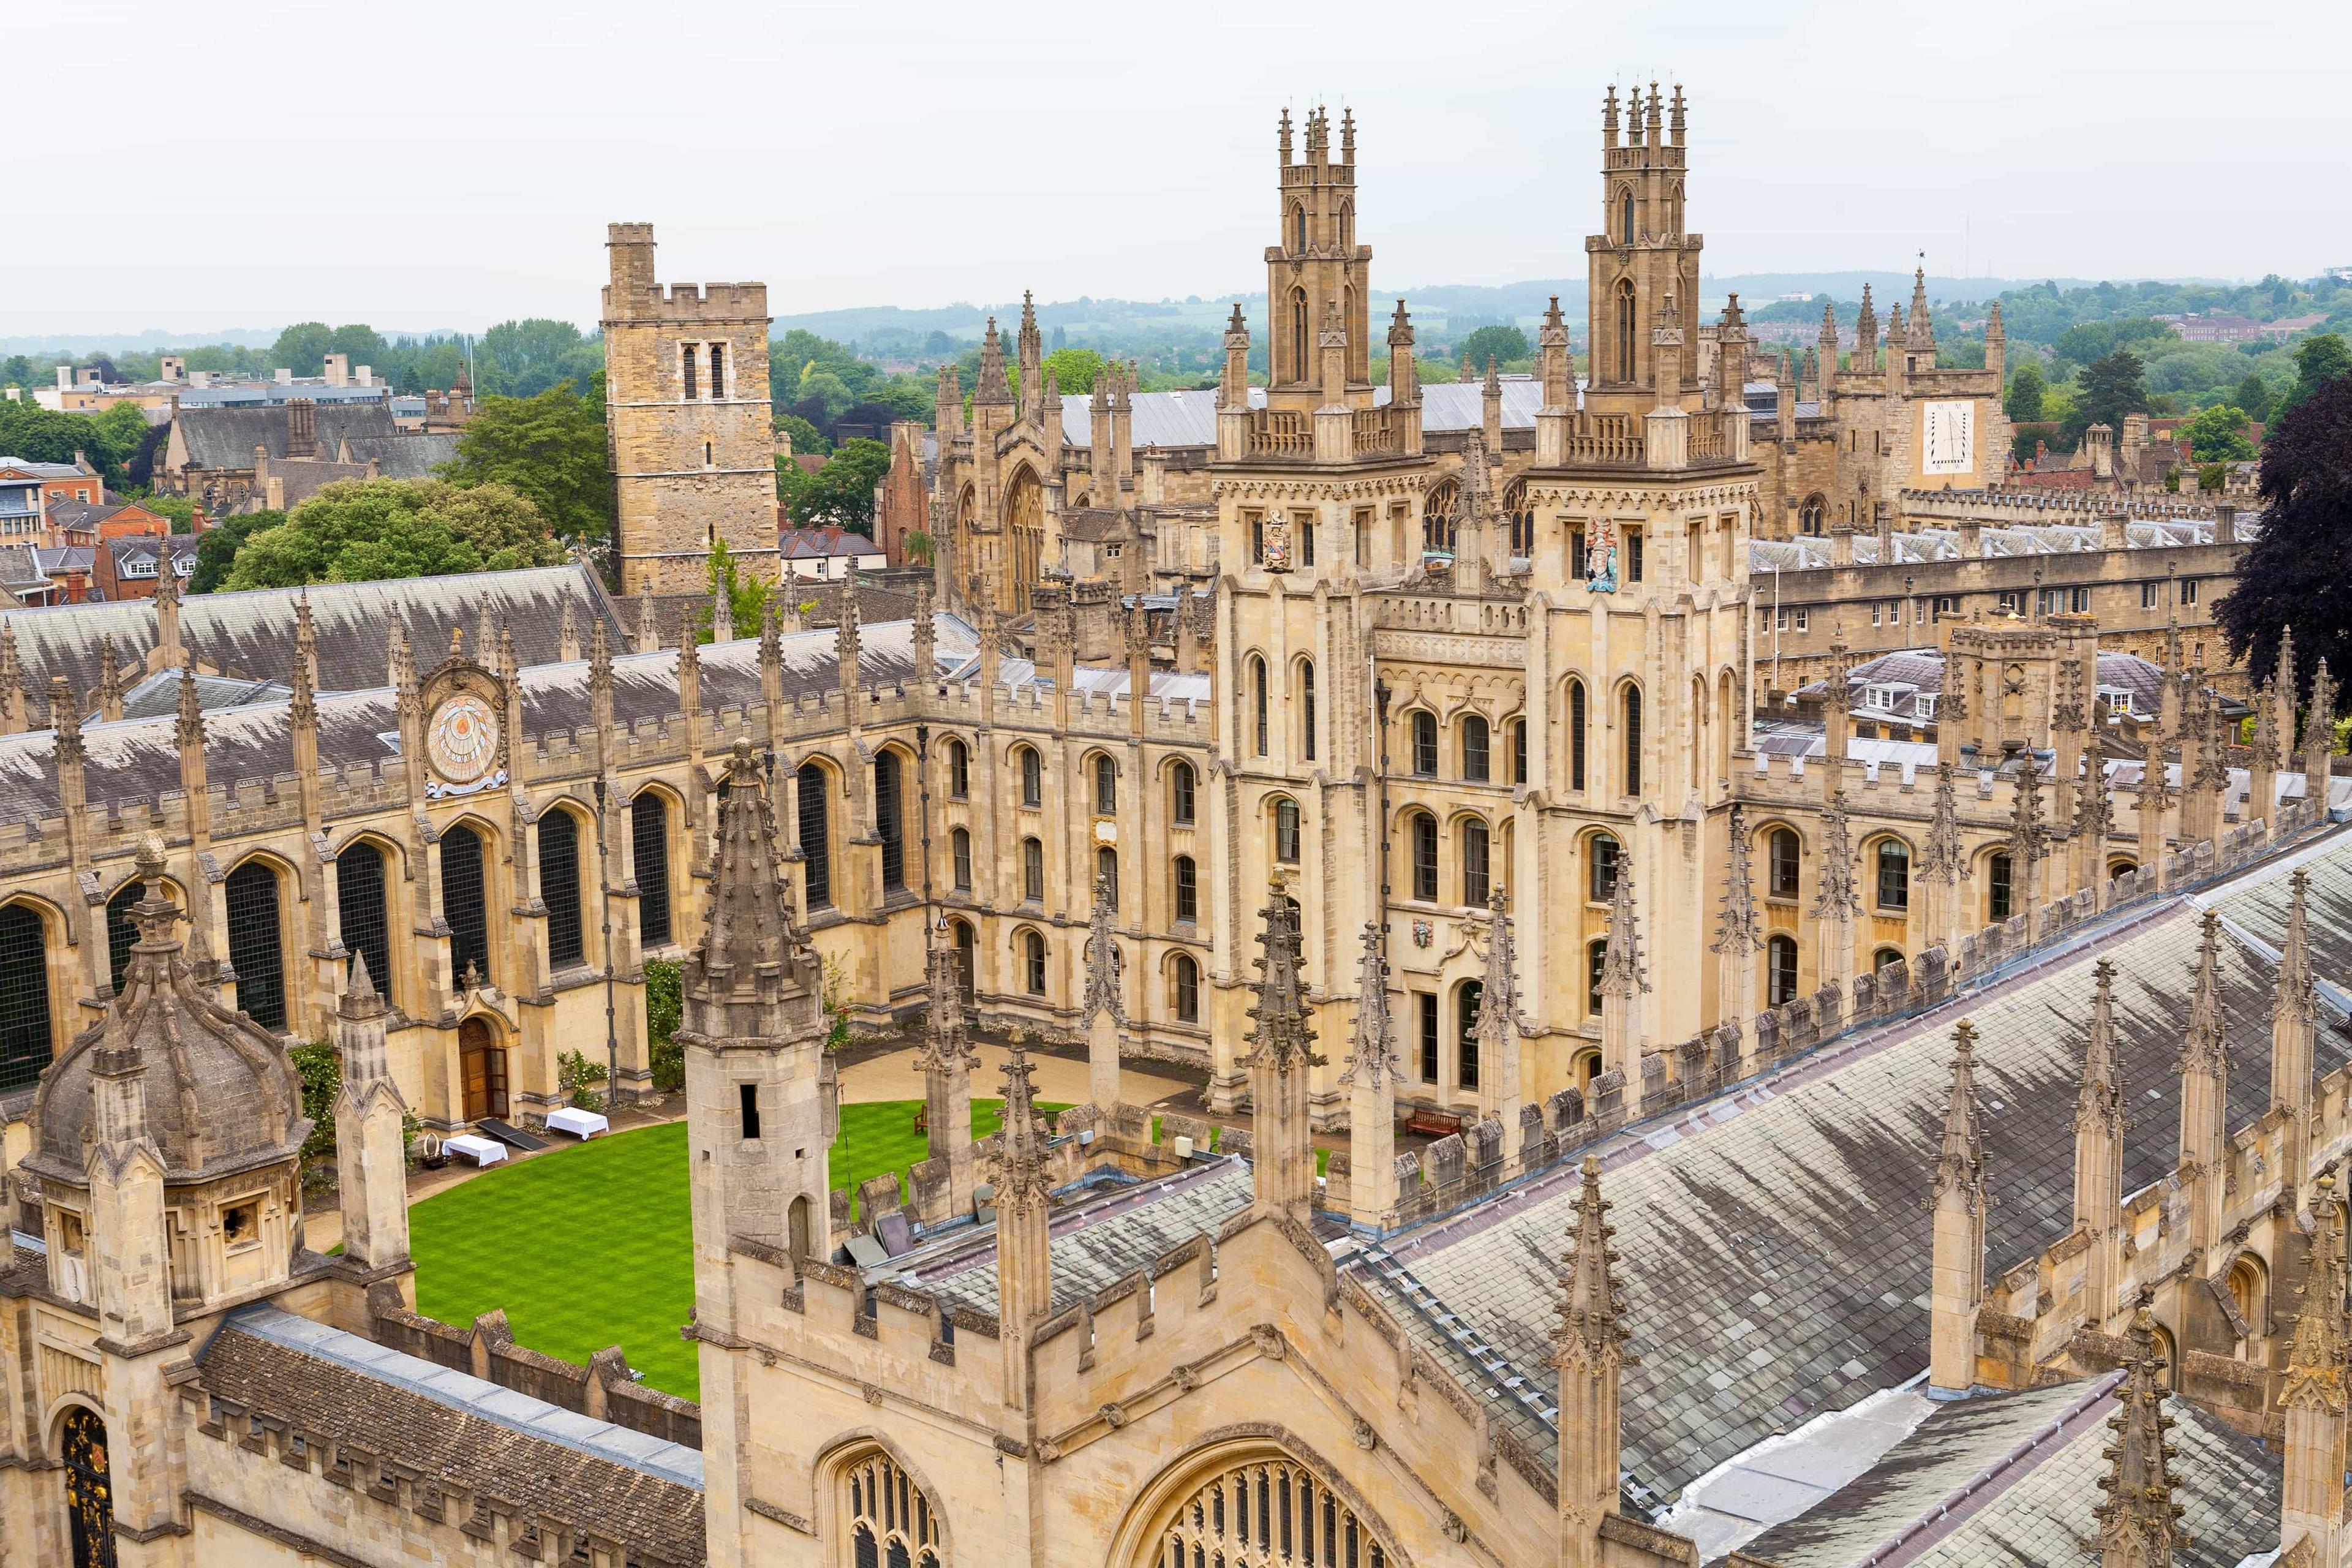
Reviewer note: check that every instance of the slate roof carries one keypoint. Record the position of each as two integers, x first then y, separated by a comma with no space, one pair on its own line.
403,457
1098,1242
471,1436
1776,1243
20,567
252,634
226,437
1923,668
2034,1512
1811,553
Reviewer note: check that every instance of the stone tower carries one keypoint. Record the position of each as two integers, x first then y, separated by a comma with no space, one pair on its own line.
1315,272
1643,268
685,406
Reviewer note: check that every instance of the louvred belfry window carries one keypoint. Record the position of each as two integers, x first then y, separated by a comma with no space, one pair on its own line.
255,949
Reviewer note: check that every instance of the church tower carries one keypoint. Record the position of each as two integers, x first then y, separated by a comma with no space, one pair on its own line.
1315,272
686,411
1641,269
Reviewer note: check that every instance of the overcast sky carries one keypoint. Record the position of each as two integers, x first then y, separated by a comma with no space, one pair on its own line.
248,163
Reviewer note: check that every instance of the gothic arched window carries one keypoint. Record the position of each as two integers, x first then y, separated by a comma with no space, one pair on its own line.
1259,699
1478,763
1033,962
1424,828
1306,709
1033,870
27,1041
1812,516
816,835
1466,998
1894,875
1999,887
1522,517
1779,971
1633,739
1440,513
465,902
1185,977
89,1487
889,823
1298,357
892,1521
1188,892
256,945
959,855
1424,743
1106,784
1107,873
1032,779
1784,862
1625,326
649,849
558,888
363,919
1576,734
1474,862
1270,1510
1180,793
1625,218
1600,882
1285,831
958,770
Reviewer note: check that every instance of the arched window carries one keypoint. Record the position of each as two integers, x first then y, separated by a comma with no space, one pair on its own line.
27,1041
1185,975
1518,751
1032,777
1297,228
1266,1510
1299,359
1477,765
1348,228
1813,516
89,1487
1306,709
1424,743
1785,863
1033,870
1033,962
1180,793
1779,971
1424,830
1522,517
1998,888
363,919
1106,784
1601,884
1259,698
1625,326
256,945
1466,997
649,849
959,853
966,944
1285,831
1596,964
1894,875
1633,739
559,887
959,771
1576,734
1439,511
1625,216
1474,861
891,1520
1188,892
465,903
889,823
2248,1291
816,835
1885,957
1107,872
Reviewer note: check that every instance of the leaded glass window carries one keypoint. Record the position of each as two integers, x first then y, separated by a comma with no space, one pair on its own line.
1271,1511
25,1039
649,844
255,947
465,903
892,1521
816,839
360,908
559,887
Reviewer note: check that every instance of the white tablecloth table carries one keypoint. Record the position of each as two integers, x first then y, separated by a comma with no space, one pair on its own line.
578,1122
481,1151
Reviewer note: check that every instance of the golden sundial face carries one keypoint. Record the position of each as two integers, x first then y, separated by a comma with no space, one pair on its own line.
462,740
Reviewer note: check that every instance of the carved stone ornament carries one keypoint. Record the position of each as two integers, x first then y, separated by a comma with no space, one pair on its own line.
1278,544
1113,1416
1366,1438
461,741
1600,558
1424,933
1269,1342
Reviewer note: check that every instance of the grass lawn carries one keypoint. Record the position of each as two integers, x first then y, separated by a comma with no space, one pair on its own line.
594,1246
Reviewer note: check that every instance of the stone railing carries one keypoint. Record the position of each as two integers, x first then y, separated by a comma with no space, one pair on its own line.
1378,431
1607,441
1279,432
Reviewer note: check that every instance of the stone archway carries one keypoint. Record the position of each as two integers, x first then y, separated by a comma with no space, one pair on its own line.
1245,1495
482,1069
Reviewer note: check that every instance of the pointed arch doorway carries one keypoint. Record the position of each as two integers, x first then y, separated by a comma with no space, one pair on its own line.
482,1063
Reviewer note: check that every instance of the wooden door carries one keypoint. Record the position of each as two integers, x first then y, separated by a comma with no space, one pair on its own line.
484,1066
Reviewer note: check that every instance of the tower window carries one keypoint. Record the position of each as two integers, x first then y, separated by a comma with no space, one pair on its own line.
747,1096
1188,892
1424,856
889,824
1307,707
1285,831
958,770
1602,885
1298,358
360,911
1518,751
1180,793
1785,863
1107,874
1306,540
1625,218
1425,744
1625,313
1258,695
1032,779
718,371
959,846
1106,786
1477,766
1780,971
1576,734
1633,555
1997,888
1633,739
650,840
1033,964
463,904
1894,875
1473,863
1033,870
1596,962
685,358
1187,989
1465,1040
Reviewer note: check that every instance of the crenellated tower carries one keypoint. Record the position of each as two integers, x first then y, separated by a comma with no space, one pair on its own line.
1314,271
1642,269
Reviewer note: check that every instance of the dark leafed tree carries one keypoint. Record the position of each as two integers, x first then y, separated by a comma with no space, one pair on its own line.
2299,573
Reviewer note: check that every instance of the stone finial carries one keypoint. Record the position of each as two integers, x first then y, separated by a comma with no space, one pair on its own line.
1498,995
2094,810
1371,1051
2099,1105
110,680
1836,899
2029,831
1960,1157
2204,1046
1021,1169
2139,1525
1102,958
1942,856
2318,1353
991,387
1282,1038
600,656
190,730
946,1036
568,635
751,977
722,614
2291,999
64,719
1622,970
648,627
1591,1333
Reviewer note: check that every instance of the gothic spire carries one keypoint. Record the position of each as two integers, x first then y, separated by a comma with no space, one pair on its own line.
1282,1038
1959,1158
2099,1105
1591,1334
1372,1050
2318,1354
990,386
2029,833
751,975
2139,1522
946,1036
2204,1048
1942,856
1621,970
1021,1171
1735,926
1498,1000
190,730
2094,810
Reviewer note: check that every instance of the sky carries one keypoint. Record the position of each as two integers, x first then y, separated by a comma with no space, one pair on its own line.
420,165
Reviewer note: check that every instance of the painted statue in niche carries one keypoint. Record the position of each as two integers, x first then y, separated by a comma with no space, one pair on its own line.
1600,558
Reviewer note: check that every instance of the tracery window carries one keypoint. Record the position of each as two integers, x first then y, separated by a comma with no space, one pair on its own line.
254,948
649,845
90,1488
887,824
892,1521
1270,1511
558,888
463,904
364,923
816,835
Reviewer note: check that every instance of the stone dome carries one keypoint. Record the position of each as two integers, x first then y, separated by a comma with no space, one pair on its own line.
221,1094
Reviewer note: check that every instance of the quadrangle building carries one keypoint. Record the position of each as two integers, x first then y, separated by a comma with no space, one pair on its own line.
1379,753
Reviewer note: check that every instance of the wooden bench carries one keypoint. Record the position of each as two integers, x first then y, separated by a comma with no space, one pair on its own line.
1431,1123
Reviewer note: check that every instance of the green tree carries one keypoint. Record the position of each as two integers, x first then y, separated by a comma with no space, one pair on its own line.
523,359
2297,574
302,348
1074,370
2254,395
807,439
2026,388
2318,359
1502,343
181,510
747,596
841,494
108,440
2217,436
361,531
550,449
216,552
2110,387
